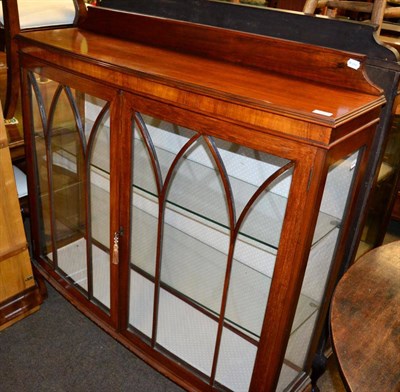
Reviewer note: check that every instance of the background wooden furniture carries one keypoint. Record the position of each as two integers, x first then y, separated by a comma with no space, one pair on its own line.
376,11
144,204
365,321
390,34
14,131
19,295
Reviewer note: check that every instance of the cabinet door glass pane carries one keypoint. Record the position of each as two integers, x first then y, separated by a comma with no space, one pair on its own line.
97,132
39,117
71,140
206,223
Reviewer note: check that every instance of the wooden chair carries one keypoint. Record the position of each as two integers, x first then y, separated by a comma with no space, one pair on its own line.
377,9
20,15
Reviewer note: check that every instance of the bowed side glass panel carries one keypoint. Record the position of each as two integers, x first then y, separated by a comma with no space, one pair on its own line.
207,216
334,203
71,145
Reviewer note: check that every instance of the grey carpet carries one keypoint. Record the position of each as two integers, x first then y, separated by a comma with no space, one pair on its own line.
57,349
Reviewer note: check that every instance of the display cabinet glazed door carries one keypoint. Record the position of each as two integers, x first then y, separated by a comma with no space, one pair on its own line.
71,148
206,223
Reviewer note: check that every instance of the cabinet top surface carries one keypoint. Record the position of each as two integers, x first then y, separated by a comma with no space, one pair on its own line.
270,91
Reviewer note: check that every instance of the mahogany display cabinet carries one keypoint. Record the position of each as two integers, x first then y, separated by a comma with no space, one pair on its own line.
192,188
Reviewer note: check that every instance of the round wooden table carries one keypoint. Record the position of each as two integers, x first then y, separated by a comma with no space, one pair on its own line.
365,321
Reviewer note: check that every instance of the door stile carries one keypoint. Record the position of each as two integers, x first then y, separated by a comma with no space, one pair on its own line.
309,177
120,210
32,177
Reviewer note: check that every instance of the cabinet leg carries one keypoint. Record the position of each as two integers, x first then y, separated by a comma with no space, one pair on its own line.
40,282
320,361
318,369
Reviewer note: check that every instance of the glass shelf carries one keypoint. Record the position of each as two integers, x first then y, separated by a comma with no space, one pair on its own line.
263,226
180,271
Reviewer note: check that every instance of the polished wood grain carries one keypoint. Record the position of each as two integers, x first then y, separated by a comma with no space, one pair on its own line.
216,87
291,58
266,21
365,321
